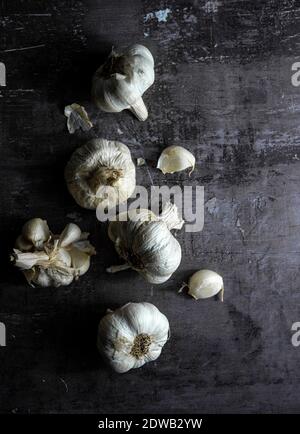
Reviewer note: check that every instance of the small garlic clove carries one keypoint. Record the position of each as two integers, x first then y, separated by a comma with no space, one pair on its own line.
175,159
139,109
36,231
77,118
69,235
140,161
205,284
80,261
22,244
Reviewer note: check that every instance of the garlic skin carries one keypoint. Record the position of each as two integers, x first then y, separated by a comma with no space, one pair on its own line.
205,284
175,159
52,260
101,173
77,117
132,335
146,243
121,81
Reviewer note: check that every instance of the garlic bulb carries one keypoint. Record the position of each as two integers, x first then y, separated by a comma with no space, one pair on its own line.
175,159
120,83
51,260
146,244
132,335
101,173
205,284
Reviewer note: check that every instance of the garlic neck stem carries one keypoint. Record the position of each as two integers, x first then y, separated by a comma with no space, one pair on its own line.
104,176
117,268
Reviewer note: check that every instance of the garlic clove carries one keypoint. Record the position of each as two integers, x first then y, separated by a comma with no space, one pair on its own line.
22,244
139,109
69,235
205,284
140,161
77,118
36,231
175,159
80,261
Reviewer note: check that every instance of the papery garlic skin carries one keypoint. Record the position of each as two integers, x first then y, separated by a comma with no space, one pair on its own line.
175,159
101,173
132,335
205,284
121,81
57,260
77,118
146,243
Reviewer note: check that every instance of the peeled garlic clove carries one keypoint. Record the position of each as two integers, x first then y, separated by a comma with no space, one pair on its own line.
69,235
175,159
77,118
36,231
80,261
205,284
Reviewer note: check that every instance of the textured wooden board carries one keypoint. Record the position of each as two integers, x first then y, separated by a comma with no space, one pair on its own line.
223,90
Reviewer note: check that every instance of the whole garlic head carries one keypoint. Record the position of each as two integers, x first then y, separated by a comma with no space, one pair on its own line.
51,260
100,173
205,284
121,81
146,243
132,335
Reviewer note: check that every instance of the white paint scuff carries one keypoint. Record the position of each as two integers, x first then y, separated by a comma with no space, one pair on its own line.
212,6
161,15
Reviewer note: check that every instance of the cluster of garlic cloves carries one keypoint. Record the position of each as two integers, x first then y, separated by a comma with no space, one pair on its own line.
121,81
52,260
132,335
145,242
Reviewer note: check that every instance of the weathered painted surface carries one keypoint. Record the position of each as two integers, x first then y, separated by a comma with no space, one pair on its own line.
223,89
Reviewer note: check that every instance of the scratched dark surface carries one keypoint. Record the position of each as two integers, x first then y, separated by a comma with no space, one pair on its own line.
223,90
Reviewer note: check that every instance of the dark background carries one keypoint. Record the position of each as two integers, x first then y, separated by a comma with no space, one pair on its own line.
223,90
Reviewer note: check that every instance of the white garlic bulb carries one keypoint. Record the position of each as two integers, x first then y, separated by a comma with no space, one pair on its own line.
52,260
205,284
101,173
146,243
120,83
132,335
175,159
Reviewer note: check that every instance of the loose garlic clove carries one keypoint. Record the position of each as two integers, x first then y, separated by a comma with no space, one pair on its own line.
175,159
36,231
205,284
